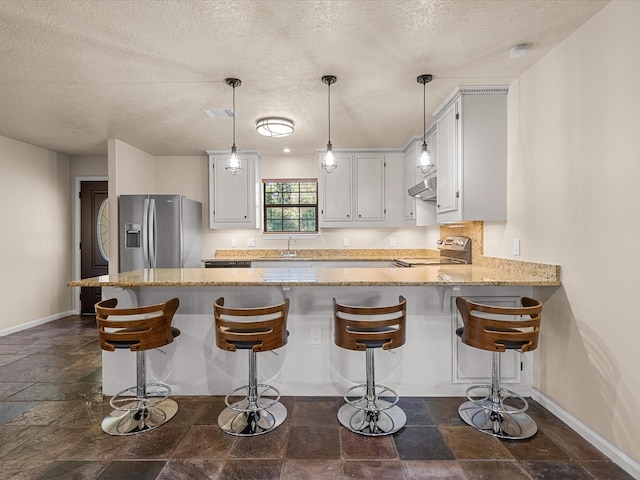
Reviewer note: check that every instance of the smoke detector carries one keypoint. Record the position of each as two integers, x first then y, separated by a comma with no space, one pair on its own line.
519,51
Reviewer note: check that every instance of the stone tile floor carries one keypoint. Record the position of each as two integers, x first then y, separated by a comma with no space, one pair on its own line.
51,407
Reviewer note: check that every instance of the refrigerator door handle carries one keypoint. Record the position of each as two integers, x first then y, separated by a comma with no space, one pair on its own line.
152,233
145,233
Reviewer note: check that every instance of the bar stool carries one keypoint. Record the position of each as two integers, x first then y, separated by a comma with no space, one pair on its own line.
370,328
147,405
495,329
256,330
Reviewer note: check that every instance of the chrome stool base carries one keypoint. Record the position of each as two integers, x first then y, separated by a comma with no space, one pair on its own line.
498,420
384,419
242,420
136,417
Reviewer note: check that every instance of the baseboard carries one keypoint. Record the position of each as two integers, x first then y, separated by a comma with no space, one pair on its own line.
35,323
616,455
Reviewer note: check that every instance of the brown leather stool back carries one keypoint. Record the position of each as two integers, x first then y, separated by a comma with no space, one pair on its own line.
379,326
262,335
494,331
139,334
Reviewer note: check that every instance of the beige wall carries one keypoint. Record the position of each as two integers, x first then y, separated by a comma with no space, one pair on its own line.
36,233
574,174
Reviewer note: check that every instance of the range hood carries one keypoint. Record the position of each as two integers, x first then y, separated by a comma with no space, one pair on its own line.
425,190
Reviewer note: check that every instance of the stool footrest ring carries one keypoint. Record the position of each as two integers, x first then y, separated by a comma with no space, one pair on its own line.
372,404
486,402
156,393
258,404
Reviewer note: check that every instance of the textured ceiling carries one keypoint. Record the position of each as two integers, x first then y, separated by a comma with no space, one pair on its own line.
75,73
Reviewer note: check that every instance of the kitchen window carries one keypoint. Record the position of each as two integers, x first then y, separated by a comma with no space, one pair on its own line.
290,206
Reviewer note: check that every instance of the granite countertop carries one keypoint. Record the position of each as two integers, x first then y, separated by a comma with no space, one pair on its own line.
324,254
501,273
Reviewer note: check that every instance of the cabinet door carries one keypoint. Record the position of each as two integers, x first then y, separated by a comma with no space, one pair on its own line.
473,365
409,181
231,194
447,150
336,191
369,187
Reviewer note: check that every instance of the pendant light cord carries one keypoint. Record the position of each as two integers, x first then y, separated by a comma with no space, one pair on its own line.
424,113
329,110
234,115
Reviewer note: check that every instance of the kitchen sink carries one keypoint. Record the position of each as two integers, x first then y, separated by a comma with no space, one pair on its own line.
288,253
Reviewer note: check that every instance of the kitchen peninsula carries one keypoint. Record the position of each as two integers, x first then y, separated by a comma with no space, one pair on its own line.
430,363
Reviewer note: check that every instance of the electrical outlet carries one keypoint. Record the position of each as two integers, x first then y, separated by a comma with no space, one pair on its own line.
345,241
251,242
234,242
516,247
316,336
392,241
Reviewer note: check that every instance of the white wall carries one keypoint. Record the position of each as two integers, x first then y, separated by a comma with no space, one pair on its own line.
35,251
574,174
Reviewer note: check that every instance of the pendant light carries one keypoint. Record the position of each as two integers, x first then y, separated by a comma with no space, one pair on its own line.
425,163
329,163
234,166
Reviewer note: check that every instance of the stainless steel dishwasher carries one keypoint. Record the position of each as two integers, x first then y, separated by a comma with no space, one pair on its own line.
227,263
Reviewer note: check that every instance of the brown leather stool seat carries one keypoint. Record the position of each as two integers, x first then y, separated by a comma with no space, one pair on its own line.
146,405
256,330
374,413
495,329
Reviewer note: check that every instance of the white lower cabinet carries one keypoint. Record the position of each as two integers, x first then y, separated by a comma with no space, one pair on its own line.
473,365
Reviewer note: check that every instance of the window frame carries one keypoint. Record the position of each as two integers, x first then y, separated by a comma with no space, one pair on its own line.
299,206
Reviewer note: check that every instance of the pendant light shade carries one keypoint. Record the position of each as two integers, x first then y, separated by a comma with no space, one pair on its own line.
329,162
234,166
425,163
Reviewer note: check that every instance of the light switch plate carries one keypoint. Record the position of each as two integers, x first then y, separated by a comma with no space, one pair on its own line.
345,241
516,247
251,242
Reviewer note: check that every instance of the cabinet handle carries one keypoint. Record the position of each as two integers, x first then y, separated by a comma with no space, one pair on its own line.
348,216
359,216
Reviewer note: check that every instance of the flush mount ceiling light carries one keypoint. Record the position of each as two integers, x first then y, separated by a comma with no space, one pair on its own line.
329,162
234,166
424,161
274,126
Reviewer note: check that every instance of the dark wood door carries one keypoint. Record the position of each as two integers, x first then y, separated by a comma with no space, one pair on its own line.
94,246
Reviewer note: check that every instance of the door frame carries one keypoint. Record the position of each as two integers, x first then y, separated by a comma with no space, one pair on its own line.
76,235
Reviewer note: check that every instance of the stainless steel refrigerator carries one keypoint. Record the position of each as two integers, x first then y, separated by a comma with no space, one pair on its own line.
159,231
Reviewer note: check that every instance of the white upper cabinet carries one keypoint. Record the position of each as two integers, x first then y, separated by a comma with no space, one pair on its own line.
355,194
369,187
335,192
472,155
418,213
234,200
